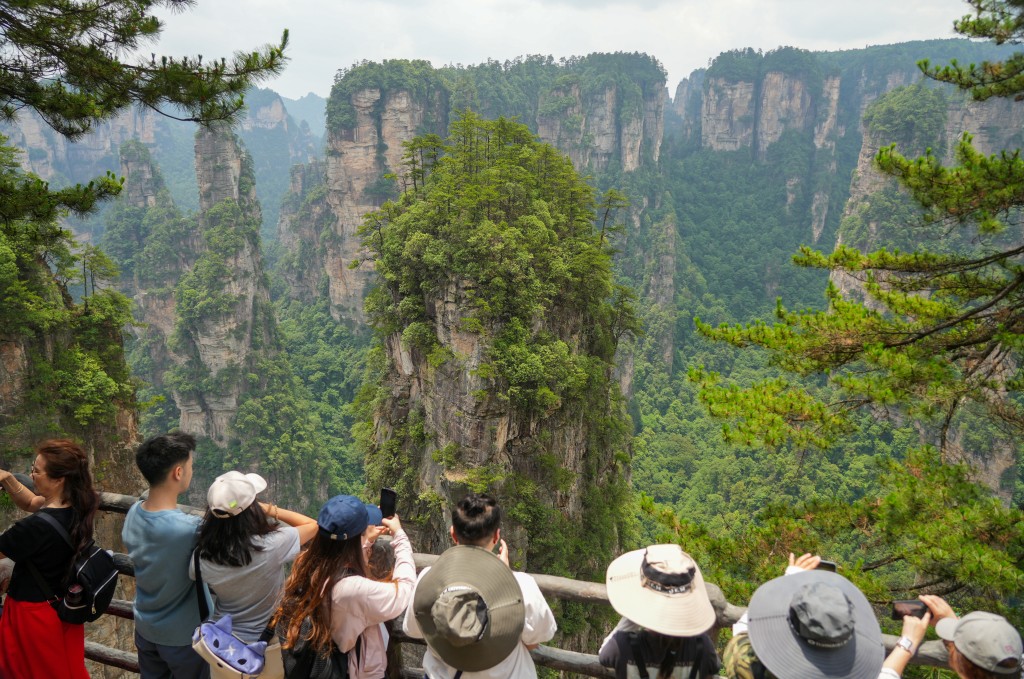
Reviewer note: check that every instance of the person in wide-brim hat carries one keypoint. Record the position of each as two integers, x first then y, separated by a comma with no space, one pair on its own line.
470,608
815,625
666,615
661,588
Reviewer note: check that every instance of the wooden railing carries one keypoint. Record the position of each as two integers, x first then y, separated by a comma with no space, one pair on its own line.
931,653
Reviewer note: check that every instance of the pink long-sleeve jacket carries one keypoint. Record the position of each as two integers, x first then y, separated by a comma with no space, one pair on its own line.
359,605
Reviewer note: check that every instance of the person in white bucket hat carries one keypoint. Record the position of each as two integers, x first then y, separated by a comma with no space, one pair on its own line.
666,612
242,549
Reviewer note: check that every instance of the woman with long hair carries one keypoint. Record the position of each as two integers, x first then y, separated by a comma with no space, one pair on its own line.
242,555
329,584
34,642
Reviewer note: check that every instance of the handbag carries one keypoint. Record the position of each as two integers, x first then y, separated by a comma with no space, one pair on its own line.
218,646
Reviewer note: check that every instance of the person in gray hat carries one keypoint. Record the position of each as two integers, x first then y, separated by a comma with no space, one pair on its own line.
479,618
981,645
812,624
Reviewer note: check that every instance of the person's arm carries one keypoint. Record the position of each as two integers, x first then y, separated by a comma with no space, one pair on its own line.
305,525
24,498
913,629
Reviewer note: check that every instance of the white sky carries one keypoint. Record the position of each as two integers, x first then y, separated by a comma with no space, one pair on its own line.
683,34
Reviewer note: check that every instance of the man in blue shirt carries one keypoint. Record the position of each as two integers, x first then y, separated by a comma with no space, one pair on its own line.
160,539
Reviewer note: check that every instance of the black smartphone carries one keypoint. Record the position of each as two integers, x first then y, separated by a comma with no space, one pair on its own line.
388,499
826,566
905,607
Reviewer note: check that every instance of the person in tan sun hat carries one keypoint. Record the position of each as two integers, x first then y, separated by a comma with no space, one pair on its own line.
666,612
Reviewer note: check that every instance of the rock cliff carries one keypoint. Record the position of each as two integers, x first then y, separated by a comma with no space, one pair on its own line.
218,337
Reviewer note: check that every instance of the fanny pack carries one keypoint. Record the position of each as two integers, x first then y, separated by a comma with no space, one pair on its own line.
218,646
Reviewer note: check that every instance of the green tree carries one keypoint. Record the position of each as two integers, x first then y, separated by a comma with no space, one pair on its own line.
73,63
939,327
933,332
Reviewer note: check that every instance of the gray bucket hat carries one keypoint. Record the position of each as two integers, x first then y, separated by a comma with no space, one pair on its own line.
815,625
470,608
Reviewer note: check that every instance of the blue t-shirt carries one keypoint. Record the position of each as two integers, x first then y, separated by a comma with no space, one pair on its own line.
160,544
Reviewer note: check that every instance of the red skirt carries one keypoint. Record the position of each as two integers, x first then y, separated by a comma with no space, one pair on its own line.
35,643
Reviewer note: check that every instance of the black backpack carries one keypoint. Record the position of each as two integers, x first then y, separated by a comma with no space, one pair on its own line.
303,662
90,585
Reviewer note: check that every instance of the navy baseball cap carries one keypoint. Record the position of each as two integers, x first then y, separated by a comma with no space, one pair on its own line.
374,516
343,517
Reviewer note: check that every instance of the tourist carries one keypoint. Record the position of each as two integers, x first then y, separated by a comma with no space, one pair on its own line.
160,539
34,642
981,645
816,624
242,555
333,569
666,616
479,618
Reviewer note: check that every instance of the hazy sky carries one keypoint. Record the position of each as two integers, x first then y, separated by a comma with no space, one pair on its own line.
683,34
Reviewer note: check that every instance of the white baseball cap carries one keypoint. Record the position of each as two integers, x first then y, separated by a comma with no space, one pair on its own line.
231,493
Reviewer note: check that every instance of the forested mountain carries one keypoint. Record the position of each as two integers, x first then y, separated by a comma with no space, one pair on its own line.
260,332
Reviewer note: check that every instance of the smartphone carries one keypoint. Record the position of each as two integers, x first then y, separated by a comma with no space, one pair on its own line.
826,566
904,607
388,499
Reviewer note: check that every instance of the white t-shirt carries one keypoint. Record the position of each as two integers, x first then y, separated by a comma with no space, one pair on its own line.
540,627
251,594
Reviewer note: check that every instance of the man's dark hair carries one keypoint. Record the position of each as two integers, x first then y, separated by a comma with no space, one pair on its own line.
158,455
476,517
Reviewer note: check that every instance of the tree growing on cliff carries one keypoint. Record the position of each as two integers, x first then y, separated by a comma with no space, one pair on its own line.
938,334
939,329
498,231
76,63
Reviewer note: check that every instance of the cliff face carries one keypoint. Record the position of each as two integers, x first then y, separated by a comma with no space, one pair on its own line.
727,115
474,440
55,159
595,129
228,268
357,159
613,125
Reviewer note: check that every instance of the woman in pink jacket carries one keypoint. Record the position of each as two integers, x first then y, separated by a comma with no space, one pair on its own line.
333,571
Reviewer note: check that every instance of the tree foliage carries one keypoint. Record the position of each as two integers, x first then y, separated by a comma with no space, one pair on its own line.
66,60
939,326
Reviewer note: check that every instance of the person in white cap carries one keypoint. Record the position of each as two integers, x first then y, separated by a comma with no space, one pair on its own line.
981,645
666,616
243,547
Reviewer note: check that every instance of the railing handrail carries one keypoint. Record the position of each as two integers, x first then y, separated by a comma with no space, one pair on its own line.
931,653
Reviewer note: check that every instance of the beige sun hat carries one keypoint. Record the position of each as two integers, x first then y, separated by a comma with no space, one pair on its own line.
661,588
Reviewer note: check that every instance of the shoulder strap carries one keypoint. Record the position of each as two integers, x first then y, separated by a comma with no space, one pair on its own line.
40,580
638,654
204,610
48,518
